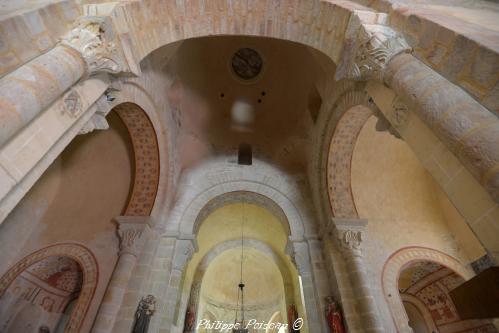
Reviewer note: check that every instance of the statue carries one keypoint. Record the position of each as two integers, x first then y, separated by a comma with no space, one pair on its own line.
145,310
190,317
292,317
333,316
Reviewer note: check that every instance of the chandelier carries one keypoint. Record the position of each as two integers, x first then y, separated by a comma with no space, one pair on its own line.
239,323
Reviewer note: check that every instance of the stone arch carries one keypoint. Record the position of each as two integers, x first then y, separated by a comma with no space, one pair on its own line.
250,243
146,156
342,125
79,253
318,24
134,95
245,197
395,264
215,178
193,296
191,300
416,302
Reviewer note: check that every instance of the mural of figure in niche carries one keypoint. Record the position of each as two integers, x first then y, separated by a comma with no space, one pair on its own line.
333,316
190,318
145,310
292,317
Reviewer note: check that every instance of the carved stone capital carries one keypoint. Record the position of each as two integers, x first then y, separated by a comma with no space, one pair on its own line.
300,256
350,234
93,37
366,57
184,250
132,233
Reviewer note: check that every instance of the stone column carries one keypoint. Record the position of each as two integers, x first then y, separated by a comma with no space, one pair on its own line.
87,49
133,232
302,260
350,234
468,129
184,249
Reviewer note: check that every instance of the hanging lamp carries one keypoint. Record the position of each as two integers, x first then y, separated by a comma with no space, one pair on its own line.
239,325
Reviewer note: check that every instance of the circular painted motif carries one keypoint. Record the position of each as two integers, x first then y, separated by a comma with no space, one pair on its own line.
247,63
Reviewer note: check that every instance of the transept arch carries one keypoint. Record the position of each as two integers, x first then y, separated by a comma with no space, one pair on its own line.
403,258
88,264
146,158
421,308
150,136
318,24
350,113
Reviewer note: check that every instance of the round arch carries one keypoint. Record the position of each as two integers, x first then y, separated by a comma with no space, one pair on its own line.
79,253
422,309
336,139
140,104
244,197
318,24
215,178
191,300
146,158
396,263
250,243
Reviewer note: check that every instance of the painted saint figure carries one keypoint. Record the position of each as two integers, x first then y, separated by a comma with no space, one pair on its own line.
292,317
333,316
145,310
190,317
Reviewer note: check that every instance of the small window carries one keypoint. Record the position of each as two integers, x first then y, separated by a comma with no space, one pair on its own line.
245,156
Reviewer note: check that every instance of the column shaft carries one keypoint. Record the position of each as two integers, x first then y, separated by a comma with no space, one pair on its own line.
351,233
115,293
33,87
467,128
365,304
133,232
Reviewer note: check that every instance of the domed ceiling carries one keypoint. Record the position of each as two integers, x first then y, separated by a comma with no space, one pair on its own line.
231,90
263,281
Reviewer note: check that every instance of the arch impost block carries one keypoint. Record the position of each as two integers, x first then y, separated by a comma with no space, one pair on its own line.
184,250
102,38
369,47
93,37
350,233
132,231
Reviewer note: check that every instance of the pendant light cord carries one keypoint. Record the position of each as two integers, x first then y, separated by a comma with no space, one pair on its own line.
241,284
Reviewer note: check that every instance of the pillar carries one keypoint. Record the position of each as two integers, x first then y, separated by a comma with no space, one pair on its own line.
87,49
466,127
133,232
184,249
174,253
302,260
350,233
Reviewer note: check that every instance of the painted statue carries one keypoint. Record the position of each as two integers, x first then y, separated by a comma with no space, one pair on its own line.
333,316
292,317
190,318
145,310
